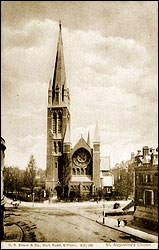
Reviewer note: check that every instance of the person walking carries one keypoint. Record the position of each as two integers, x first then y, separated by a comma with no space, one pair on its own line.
118,222
125,221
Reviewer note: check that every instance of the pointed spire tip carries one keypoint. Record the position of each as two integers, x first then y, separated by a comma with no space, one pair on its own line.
60,24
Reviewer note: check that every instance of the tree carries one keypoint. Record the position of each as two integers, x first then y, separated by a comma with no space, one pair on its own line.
9,180
18,180
13,180
123,186
30,174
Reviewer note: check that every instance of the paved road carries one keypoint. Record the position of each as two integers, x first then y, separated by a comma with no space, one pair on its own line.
68,224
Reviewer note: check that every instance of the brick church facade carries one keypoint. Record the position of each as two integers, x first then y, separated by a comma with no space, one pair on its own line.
68,169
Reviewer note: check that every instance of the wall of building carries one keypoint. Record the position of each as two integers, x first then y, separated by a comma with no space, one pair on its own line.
146,189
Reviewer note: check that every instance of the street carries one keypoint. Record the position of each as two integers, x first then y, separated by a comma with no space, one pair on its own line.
65,223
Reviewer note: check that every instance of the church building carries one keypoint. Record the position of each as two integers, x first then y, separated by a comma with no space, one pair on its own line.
68,169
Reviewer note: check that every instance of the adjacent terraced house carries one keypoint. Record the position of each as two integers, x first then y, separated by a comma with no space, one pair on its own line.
146,188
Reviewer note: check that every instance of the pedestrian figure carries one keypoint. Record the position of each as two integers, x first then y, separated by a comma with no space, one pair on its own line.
118,223
125,221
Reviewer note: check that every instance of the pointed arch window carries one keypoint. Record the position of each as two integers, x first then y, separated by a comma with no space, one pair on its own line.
62,92
59,122
54,122
78,171
59,146
82,171
55,149
73,171
57,94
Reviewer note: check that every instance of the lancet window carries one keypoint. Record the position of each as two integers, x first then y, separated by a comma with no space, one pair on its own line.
57,94
59,122
54,122
62,92
59,146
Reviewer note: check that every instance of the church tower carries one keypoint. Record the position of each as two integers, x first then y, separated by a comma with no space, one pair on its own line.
96,159
58,120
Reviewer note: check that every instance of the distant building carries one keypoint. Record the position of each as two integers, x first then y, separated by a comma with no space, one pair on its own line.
146,188
106,176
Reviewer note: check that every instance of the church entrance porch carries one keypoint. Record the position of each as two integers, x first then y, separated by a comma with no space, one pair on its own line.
80,190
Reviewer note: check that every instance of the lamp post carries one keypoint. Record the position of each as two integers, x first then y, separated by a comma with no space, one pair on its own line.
103,212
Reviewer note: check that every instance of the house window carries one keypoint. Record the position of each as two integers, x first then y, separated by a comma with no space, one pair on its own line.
147,178
148,197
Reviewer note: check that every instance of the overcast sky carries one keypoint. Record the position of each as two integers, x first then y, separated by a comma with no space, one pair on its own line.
110,53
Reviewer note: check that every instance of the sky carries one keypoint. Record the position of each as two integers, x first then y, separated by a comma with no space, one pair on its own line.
110,53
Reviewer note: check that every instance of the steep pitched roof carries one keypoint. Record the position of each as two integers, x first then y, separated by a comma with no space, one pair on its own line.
67,135
96,134
81,144
59,78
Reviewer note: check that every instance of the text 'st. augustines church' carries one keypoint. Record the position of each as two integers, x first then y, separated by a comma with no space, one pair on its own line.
68,169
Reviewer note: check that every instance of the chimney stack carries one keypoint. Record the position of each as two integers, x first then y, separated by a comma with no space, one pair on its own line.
145,151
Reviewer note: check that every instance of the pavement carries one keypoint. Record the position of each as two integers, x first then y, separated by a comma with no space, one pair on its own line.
109,204
108,222
112,223
12,233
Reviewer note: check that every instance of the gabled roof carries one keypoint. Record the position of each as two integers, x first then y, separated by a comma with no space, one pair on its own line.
81,144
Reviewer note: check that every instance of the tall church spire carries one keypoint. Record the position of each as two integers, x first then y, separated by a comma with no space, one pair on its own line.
59,78
96,134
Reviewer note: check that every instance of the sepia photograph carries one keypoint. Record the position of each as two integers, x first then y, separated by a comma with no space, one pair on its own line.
79,124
